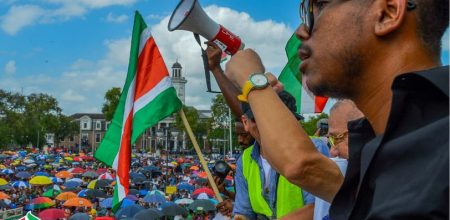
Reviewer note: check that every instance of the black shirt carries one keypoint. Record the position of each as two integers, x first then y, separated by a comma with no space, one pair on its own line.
404,173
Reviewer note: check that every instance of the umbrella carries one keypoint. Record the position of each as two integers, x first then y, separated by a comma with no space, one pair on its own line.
102,171
206,190
133,192
185,186
194,168
41,203
95,193
103,183
41,173
51,193
3,205
66,196
51,214
90,174
201,196
156,192
40,180
76,180
6,187
56,180
184,201
8,171
143,192
21,168
148,214
136,175
91,184
64,174
3,182
3,195
128,211
172,209
72,184
23,175
28,161
202,205
19,184
151,168
77,202
138,180
132,197
80,216
127,202
154,198
107,176
82,193
201,181
68,189
77,170
106,203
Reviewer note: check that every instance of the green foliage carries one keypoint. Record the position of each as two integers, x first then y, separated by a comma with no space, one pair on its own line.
310,125
26,119
112,97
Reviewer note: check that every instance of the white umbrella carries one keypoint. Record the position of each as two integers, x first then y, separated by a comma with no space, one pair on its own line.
184,201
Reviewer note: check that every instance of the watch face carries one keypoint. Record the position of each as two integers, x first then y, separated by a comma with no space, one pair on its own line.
259,80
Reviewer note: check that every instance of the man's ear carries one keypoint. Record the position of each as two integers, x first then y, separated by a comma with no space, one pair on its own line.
390,15
244,120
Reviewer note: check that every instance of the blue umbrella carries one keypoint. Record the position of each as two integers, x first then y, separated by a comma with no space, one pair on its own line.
41,173
127,202
80,216
167,204
128,211
151,168
21,168
19,184
185,186
143,192
8,171
137,175
106,203
23,175
72,184
156,198
82,193
56,180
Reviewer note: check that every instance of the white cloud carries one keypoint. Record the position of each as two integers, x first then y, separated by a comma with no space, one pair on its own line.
10,67
118,19
70,95
19,17
82,86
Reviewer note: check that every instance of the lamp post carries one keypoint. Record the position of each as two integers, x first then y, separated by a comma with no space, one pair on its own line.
204,142
174,134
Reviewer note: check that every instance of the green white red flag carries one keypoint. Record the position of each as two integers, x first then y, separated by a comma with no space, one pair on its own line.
292,81
29,216
147,97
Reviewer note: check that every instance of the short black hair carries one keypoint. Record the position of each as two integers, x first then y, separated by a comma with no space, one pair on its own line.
432,21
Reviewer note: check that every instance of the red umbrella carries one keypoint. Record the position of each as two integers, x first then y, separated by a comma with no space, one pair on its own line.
206,190
78,159
87,158
51,214
77,170
104,218
102,170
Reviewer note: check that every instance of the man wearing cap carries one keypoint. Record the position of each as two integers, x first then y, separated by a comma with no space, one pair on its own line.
261,193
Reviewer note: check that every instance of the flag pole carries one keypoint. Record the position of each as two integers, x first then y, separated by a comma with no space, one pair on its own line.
200,155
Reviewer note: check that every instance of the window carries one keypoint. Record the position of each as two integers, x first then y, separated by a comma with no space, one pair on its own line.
97,138
84,125
71,138
98,125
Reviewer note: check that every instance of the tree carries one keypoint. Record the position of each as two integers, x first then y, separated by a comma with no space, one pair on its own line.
310,125
66,127
112,97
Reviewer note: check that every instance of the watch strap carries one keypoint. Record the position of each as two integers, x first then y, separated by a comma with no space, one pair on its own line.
245,91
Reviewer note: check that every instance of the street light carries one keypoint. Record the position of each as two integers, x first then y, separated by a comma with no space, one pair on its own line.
204,142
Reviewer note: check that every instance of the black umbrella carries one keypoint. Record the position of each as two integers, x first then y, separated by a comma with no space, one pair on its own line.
68,189
95,193
149,214
133,192
103,183
174,210
138,180
202,205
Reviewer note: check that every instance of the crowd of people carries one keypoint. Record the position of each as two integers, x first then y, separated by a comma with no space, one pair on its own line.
61,185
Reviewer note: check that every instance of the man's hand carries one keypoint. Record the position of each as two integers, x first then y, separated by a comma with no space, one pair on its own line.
242,64
214,55
225,208
277,86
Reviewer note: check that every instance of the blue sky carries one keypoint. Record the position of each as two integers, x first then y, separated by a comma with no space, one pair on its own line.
76,50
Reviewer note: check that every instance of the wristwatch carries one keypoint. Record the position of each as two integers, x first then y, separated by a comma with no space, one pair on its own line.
255,81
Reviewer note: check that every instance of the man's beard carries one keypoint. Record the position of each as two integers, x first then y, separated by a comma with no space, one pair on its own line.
344,85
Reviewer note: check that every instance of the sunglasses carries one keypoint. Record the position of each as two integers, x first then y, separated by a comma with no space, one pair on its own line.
307,12
337,139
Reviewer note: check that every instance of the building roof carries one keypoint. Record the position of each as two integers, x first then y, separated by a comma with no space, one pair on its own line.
176,65
90,115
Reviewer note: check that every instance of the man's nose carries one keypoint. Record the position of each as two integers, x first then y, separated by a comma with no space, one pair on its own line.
302,32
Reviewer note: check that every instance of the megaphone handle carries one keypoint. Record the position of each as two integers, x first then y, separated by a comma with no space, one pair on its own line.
205,65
